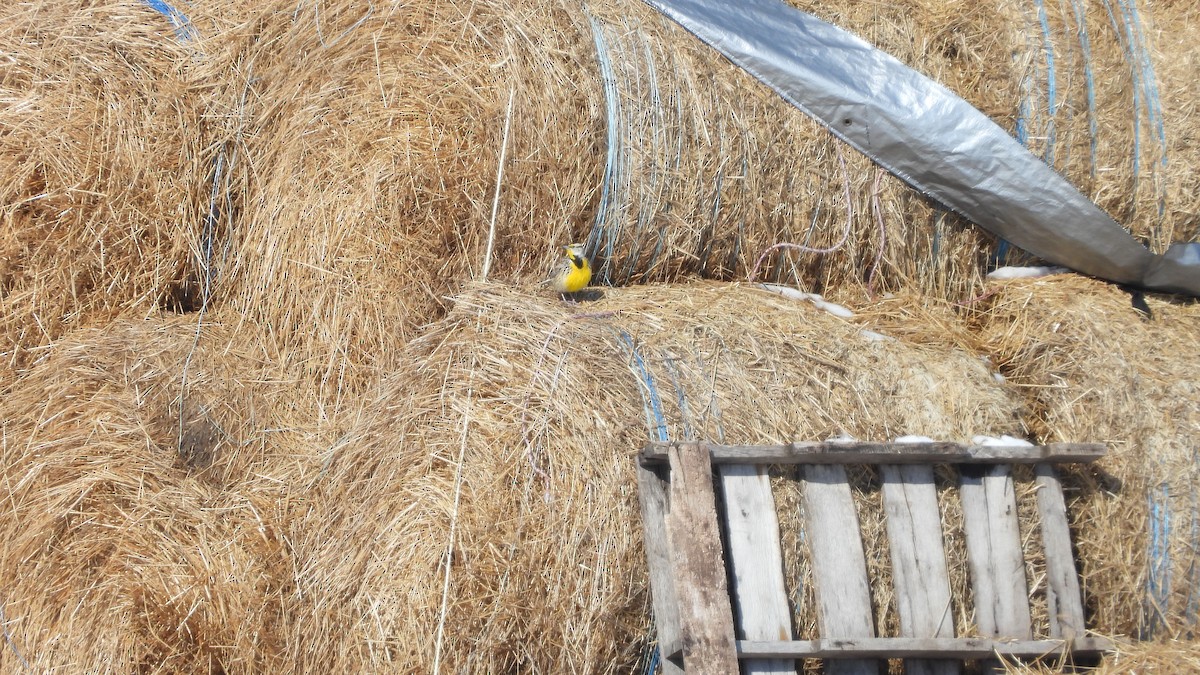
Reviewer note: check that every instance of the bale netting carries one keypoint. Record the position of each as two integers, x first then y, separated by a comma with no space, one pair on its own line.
506,447
101,189
1095,368
148,477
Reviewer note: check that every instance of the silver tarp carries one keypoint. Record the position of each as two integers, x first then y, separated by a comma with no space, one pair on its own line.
930,138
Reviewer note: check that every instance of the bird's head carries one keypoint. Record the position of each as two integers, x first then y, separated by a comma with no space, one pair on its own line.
574,253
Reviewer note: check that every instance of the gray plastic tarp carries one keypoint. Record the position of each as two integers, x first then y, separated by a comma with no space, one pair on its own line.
930,138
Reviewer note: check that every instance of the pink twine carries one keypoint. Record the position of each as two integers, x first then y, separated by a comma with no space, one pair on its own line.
878,209
809,249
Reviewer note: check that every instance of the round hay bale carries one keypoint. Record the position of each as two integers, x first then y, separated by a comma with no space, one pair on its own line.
1174,58
100,183
1094,368
148,477
363,147
506,446
359,148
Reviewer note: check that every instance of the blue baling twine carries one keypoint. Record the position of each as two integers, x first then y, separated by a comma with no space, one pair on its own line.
1145,87
601,236
652,666
689,432
1193,576
1024,121
1149,82
1023,116
1149,85
1158,580
650,399
183,27
1137,106
646,211
1085,46
1051,85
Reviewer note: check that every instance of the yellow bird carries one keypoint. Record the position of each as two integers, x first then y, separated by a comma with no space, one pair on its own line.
573,271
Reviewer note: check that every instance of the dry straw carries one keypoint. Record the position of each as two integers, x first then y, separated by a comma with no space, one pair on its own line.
130,545
99,172
270,485
1094,367
547,566
367,141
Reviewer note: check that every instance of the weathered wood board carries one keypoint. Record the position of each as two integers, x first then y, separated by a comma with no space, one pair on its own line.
839,565
756,560
921,581
910,648
856,452
994,555
705,614
652,493
1062,580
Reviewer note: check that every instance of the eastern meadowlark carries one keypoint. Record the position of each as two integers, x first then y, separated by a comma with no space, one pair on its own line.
572,272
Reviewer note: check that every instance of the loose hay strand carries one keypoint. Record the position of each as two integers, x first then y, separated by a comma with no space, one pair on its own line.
462,449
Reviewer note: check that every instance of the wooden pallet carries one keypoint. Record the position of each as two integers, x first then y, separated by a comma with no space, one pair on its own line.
709,629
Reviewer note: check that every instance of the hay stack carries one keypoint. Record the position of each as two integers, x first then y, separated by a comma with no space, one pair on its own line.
257,536
206,502
358,142
362,149
1175,58
511,433
100,185
1095,369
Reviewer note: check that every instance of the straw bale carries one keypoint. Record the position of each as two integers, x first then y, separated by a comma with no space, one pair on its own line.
359,154
195,494
148,474
99,179
1093,368
259,536
361,144
1174,57
530,410
1167,657
704,168
363,148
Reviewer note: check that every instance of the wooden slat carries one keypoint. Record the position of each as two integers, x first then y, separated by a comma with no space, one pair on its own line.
652,493
755,558
1062,581
911,648
994,553
994,556
889,453
706,617
839,566
922,584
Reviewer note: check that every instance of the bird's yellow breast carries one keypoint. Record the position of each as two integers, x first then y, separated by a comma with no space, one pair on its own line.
578,277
